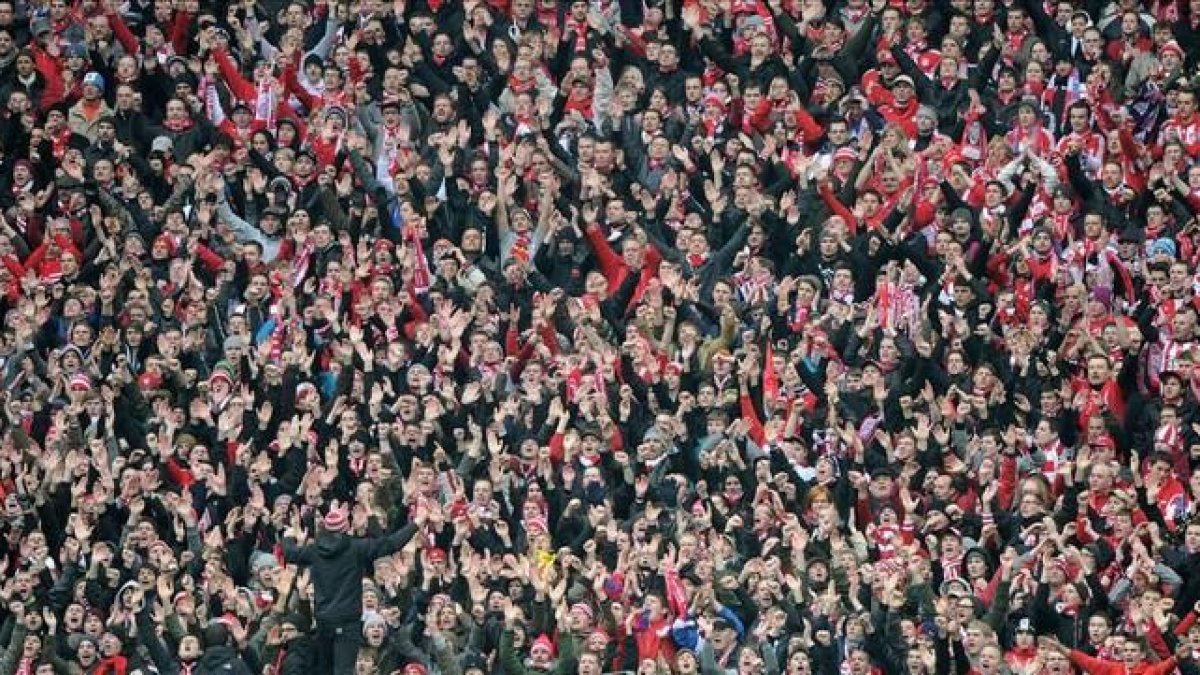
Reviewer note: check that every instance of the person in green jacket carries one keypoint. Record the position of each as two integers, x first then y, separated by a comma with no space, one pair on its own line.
542,658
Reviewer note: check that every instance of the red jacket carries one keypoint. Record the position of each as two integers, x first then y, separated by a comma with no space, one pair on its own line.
1095,666
613,266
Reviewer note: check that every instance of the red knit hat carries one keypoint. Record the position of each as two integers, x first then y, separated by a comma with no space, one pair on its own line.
336,521
80,382
220,375
715,100
584,609
846,153
543,641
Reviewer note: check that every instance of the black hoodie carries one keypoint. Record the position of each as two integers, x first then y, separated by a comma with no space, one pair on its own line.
338,564
221,659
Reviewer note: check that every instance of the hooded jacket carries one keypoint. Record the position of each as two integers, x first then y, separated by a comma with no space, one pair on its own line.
338,563
221,660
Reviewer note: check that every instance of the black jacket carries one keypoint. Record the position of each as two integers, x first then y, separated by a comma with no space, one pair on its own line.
338,563
221,660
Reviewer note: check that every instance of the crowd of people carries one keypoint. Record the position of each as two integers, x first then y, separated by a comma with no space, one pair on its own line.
516,337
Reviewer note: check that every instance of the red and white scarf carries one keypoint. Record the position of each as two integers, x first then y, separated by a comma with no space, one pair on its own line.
264,104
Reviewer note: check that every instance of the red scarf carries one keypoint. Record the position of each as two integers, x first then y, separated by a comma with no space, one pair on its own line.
59,142
854,16
178,126
520,86
113,665
712,127
952,567
421,275
1062,227
1053,455
581,104
581,31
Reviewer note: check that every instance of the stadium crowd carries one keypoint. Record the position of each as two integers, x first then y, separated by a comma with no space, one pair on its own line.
544,337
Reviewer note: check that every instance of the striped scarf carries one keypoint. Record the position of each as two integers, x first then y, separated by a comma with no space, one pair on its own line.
752,287
1053,456
301,262
278,339
952,567
887,540
1172,351
1169,438
897,306
800,315
264,104
421,274
522,246
846,295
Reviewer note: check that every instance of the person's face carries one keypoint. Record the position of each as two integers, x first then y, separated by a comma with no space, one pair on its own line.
722,294
92,625
860,663
109,645
32,645
1192,534
189,648
603,155
1098,629
1111,174
943,488
1098,371
990,659
87,651
58,10
1131,654
1079,120
1100,479
25,68
1129,24
668,57
1183,324
176,110
752,96
1078,25
55,121
925,124
1186,103
760,46
842,279
103,170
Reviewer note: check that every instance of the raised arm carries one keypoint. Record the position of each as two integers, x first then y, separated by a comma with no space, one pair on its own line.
371,549
240,86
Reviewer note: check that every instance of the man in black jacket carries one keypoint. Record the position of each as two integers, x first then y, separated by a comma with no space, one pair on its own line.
219,655
338,562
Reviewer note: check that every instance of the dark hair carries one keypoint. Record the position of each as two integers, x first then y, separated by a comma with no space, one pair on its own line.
215,634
